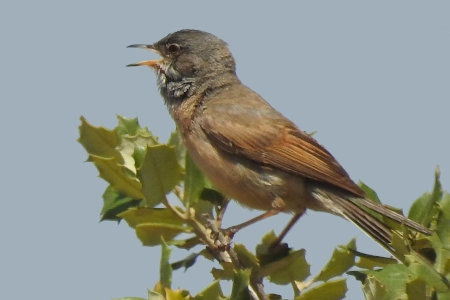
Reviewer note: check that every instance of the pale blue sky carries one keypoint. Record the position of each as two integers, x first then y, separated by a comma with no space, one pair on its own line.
372,78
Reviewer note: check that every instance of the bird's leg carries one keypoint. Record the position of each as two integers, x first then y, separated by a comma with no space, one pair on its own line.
287,228
231,231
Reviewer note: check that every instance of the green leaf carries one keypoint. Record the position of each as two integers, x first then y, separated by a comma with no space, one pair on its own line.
241,280
416,290
155,296
132,149
117,177
165,269
127,126
393,278
159,173
176,141
212,196
115,203
98,141
330,290
226,273
421,269
194,182
341,261
370,193
246,258
211,292
424,209
186,262
367,261
373,289
150,233
130,298
143,215
288,269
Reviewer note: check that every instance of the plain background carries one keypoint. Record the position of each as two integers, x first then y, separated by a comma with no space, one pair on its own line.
372,78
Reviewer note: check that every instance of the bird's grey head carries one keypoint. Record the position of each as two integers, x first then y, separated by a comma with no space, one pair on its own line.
189,58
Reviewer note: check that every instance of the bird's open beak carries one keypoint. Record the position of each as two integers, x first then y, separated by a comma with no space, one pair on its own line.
151,63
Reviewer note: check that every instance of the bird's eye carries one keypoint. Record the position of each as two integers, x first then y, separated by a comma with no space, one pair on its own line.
173,48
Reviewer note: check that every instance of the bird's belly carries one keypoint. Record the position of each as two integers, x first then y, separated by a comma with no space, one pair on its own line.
249,183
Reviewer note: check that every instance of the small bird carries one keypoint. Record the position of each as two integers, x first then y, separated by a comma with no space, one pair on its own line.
249,151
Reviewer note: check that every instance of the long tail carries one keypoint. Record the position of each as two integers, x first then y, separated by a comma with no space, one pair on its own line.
350,207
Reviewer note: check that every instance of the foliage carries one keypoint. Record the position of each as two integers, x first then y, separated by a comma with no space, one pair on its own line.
141,172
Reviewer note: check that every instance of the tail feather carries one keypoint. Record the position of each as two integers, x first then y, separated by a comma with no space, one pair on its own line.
350,208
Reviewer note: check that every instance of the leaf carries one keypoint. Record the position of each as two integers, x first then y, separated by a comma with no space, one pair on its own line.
115,203
246,258
416,290
341,261
424,208
186,262
127,126
150,233
155,296
212,196
142,215
393,279
130,298
177,294
330,290
373,289
421,269
288,269
132,149
370,193
367,261
226,273
98,141
159,173
241,280
211,292
176,141
165,269
194,183
117,177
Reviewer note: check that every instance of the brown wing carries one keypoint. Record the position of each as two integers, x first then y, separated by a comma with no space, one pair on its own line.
269,138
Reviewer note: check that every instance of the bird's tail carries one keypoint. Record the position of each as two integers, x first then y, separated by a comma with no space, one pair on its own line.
354,209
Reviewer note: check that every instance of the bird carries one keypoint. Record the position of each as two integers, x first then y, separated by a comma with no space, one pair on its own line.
248,150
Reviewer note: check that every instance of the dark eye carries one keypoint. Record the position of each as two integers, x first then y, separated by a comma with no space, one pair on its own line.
173,48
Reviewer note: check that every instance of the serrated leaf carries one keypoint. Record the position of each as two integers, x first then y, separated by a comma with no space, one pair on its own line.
159,173
211,195
150,233
165,269
187,243
246,258
127,126
186,262
330,290
98,141
341,261
241,280
177,294
367,261
226,273
211,292
370,193
142,215
416,290
155,296
117,177
133,149
288,269
393,278
424,271
115,203
373,289
176,141
194,183
424,209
